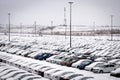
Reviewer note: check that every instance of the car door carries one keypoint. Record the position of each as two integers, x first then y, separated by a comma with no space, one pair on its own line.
111,68
106,68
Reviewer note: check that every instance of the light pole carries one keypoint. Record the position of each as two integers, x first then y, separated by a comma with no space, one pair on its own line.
94,28
21,28
51,27
65,20
9,24
35,28
111,27
70,21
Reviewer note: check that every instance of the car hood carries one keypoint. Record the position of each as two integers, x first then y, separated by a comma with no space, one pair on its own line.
98,68
116,71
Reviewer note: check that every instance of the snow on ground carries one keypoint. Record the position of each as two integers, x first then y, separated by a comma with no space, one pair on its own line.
103,76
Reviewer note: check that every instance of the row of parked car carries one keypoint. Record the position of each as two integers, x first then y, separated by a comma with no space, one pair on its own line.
95,48
8,72
42,68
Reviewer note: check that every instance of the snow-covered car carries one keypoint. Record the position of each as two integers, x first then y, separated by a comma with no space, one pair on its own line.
41,70
83,78
12,74
114,61
11,79
57,75
48,73
51,59
30,67
101,59
115,73
105,68
3,73
21,76
34,78
43,56
67,60
94,64
81,63
35,69
70,76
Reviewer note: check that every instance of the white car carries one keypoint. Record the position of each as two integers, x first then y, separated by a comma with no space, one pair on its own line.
105,68
43,69
47,74
36,69
101,59
83,78
12,74
3,73
34,77
21,76
114,61
95,64
11,79
69,76
57,75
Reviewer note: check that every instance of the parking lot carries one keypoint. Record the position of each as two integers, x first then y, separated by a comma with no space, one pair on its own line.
53,59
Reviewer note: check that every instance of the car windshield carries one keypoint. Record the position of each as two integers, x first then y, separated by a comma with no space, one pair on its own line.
93,64
103,66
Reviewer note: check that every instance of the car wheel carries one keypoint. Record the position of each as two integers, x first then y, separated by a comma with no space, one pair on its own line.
101,71
91,69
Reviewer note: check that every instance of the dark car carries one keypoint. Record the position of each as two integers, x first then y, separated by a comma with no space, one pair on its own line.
43,56
68,61
84,64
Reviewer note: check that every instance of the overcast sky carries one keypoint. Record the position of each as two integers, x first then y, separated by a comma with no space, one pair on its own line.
84,12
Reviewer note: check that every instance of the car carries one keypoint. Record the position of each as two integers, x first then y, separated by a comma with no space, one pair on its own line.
83,78
94,64
42,70
34,78
43,56
68,61
57,75
12,74
115,73
7,72
48,73
70,76
105,68
11,79
4,68
30,68
21,76
19,52
114,61
81,63
101,59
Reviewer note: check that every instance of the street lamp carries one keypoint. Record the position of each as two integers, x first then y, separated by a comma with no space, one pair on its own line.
94,28
70,21
9,24
35,28
21,29
65,21
111,26
51,27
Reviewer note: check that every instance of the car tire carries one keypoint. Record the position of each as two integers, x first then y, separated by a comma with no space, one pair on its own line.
101,71
91,69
